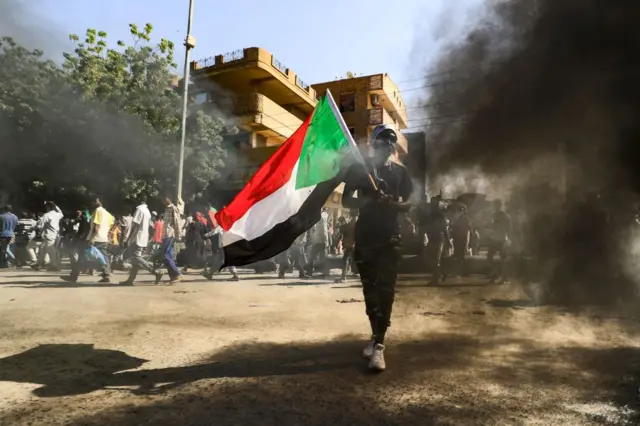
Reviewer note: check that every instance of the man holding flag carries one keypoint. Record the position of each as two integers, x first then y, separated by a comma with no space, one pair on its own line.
377,233
286,195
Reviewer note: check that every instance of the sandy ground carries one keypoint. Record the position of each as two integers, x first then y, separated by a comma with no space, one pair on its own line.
268,352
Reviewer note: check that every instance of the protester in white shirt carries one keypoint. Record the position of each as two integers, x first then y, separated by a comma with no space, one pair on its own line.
138,241
50,231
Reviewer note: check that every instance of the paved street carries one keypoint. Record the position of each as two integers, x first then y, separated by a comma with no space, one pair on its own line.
271,352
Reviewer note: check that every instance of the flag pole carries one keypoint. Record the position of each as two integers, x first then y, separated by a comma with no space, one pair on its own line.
352,143
189,44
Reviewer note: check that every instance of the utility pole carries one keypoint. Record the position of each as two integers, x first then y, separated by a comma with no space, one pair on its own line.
189,43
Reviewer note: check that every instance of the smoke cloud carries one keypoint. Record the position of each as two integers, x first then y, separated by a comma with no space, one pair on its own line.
546,96
21,21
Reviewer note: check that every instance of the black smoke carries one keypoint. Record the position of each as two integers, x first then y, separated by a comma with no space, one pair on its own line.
551,88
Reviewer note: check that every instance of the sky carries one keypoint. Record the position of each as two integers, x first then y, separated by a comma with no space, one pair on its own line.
319,40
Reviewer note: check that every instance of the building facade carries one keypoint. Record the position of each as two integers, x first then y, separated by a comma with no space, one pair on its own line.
263,98
366,102
267,102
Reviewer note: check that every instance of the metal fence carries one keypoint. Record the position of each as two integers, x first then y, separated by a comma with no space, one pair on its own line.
206,62
279,66
301,83
233,56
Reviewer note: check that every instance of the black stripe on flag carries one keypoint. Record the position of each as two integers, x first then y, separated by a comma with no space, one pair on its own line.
280,237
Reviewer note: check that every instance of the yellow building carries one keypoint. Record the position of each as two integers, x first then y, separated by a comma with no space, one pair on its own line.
366,102
266,100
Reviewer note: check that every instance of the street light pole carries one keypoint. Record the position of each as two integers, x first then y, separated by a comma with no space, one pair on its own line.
189,44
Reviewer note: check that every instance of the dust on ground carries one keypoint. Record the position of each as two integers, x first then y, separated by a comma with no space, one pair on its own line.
272,352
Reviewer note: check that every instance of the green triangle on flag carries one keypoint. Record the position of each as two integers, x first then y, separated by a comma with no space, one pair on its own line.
324,148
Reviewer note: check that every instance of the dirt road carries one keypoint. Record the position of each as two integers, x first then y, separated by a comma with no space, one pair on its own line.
267,352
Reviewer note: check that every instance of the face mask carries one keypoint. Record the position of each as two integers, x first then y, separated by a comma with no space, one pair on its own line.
381,150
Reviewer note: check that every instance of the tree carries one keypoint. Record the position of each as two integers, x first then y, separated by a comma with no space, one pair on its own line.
106,123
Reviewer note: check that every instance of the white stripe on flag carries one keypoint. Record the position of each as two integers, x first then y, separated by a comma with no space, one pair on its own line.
269,212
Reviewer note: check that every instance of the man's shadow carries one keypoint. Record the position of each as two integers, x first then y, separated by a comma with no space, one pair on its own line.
66,369
73,369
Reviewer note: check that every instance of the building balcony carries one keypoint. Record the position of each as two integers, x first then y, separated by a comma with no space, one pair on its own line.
254,69
390,97
260,114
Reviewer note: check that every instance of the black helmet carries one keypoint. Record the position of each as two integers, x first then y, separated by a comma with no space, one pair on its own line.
384,134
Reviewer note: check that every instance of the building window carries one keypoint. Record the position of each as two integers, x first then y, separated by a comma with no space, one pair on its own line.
201,98
347,102
375,100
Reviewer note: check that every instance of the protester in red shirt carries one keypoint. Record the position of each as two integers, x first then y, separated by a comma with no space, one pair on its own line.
157,230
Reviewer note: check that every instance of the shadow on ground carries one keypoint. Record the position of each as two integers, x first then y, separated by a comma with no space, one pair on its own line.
505,303
442,379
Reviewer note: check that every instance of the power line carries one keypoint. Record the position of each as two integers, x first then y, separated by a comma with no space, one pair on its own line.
437,124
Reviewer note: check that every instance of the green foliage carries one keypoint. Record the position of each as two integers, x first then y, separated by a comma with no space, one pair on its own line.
105,123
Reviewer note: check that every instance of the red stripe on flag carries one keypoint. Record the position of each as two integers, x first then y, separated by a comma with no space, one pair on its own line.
270,177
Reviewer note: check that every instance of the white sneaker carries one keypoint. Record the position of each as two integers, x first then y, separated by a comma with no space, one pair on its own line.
367,352
376,363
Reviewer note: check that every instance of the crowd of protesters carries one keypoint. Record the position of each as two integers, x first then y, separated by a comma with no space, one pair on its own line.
95,240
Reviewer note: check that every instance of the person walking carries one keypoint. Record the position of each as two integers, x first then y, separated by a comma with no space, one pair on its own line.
171,234
24,233
378,241
194,241
50,233
500,241
319,246
348,231
137,242
98,237
8,223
